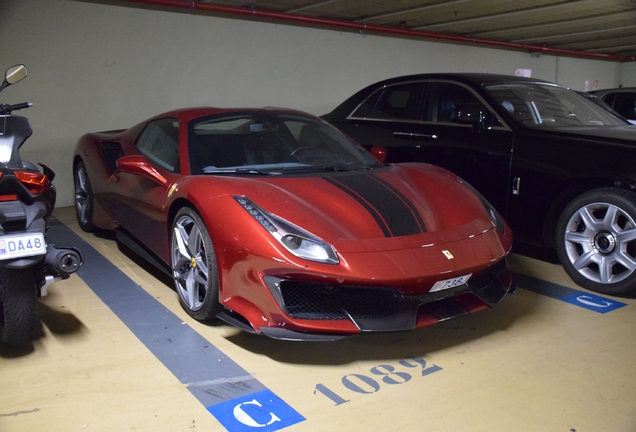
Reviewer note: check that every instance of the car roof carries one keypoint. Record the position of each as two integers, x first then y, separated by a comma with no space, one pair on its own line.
473,78
187,114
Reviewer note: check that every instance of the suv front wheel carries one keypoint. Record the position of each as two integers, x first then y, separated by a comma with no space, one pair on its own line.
596,241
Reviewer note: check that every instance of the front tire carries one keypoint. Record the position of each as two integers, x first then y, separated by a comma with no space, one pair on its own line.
596,241
83,198
194,266
18,308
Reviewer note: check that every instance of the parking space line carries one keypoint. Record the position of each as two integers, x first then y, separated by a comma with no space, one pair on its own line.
212,377
235,398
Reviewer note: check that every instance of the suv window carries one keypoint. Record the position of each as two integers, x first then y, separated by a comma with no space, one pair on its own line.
541,105
625,104
159,143
609,99
397,102
444,97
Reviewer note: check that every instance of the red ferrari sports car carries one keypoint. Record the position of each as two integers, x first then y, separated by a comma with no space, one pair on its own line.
275,222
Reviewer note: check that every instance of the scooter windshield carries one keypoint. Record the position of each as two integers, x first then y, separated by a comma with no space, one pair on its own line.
14,132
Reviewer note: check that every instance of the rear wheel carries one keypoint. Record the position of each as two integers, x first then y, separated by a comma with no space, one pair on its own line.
194,266
83,198
18,308
596,241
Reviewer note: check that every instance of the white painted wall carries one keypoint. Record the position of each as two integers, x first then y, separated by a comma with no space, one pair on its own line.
96,67
628,74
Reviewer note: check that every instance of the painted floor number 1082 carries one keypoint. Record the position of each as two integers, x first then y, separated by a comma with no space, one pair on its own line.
387,374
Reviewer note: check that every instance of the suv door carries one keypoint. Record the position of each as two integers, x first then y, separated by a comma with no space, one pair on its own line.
480,152
388,118
415,122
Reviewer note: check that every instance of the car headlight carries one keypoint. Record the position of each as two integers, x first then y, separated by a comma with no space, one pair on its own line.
493,214
296,240
495,217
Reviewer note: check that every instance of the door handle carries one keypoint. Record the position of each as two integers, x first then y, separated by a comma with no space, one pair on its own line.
413,135
516,184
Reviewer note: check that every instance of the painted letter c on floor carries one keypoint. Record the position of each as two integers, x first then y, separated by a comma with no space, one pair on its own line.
247,420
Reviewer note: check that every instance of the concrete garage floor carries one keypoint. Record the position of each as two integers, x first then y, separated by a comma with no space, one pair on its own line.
134,361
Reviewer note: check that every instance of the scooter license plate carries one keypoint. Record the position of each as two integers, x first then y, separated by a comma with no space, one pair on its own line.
22,245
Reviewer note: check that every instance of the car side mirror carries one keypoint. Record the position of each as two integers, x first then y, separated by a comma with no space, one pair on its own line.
469,114
380,153
138,164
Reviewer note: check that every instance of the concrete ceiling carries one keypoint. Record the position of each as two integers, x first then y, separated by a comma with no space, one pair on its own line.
589,28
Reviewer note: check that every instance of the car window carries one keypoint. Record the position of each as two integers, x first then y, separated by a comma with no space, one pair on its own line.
270,141
321,138
539,105
396,102
443,98
625,104
227,126
608,99
159,143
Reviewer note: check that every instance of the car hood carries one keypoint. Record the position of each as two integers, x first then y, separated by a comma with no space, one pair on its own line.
625,134
391,208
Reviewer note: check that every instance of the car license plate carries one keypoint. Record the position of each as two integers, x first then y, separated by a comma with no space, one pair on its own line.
22,245
450,283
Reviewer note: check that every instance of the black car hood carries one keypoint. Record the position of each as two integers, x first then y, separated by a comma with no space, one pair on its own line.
626,134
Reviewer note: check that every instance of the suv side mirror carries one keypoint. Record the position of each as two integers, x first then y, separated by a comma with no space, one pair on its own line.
469,114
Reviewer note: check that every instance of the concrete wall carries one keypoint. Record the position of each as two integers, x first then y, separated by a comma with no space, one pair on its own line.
628,74
97,67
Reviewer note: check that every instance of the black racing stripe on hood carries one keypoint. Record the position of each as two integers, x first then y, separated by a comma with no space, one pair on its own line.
378,218
389,208
407,202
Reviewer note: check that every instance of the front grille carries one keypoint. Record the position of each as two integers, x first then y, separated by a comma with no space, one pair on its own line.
486,277
314,301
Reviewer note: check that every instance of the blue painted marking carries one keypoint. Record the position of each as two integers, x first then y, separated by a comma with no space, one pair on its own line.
593,302
582,299
211,376
263,411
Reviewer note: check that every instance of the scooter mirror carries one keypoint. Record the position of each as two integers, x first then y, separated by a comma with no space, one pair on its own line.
15,73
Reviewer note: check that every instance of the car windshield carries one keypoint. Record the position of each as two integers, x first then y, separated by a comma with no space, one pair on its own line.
270,143
543,106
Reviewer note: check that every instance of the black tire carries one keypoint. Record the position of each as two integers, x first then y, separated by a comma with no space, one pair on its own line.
18,308
596,241
83,198
194,268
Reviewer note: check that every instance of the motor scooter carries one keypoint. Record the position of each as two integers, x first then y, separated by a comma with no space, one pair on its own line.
28,264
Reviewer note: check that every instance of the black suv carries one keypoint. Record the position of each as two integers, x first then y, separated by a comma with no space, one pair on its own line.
561,169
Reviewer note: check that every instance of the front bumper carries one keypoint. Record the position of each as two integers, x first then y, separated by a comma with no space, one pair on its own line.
373,309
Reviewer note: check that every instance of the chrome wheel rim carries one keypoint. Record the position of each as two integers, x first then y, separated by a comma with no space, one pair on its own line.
600,242
189,262
81,195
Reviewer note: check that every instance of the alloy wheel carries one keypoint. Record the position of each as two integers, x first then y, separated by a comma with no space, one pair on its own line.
190,265
600,242
83,198
82,195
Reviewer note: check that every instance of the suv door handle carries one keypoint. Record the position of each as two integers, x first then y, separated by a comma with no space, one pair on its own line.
516,185
413,135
